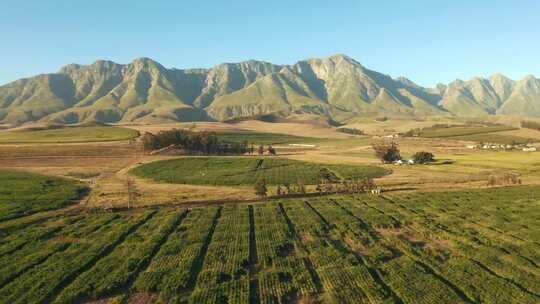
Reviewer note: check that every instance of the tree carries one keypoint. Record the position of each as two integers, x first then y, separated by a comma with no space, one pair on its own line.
328,188
279,191
260,188
131,192
271,150
288,188
369,184
423,157
319,187
387,153
301,189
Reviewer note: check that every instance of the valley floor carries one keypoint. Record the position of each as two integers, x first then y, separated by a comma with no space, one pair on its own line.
437,234
104,165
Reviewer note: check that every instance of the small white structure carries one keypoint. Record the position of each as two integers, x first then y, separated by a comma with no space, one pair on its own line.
376,191
471,146
410,161
302,145
399,162
529,149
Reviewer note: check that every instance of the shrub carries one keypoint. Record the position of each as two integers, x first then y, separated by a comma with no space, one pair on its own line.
351,131
423,157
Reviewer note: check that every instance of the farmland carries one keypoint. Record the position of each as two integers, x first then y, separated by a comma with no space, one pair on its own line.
24,193
234,171
265,138
197,232
495,137
475,246
68,135
453,131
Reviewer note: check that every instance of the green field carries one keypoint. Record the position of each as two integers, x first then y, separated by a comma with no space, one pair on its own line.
439,132
265,138
26,193
495,138
476,246
69,135
233,171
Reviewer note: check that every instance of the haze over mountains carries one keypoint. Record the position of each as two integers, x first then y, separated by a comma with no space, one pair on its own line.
337,88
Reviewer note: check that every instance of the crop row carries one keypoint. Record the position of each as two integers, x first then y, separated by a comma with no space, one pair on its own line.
41,283
114,272
399,248
43,241
174,266
284,273
442,252
225,272
343,276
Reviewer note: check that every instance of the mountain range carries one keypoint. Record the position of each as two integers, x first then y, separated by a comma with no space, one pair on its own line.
336,88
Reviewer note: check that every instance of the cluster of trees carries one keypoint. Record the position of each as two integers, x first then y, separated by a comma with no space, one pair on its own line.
423,157
346,186
530,125
389,153
351,131
261,149
386,152
290,189
261,189
195,142
323,187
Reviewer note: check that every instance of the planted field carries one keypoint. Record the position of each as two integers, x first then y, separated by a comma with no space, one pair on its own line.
24,193
454,131
496,138
265,138
477,246
247,170
68,135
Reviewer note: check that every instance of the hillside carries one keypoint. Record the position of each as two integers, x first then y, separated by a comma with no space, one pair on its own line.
337,88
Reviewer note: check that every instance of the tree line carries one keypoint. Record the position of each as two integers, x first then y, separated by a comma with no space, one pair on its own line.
322,187
530,125
204,142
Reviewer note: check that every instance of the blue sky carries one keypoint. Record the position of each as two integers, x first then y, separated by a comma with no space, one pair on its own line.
426,41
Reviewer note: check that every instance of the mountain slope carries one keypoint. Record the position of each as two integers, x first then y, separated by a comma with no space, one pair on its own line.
337,88
525,98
